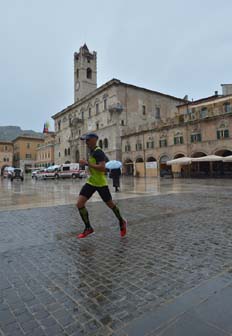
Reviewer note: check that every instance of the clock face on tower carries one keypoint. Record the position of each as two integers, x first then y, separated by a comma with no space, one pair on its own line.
77,85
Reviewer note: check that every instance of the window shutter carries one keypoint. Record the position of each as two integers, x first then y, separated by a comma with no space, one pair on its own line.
218,135
181,140
226,133
199,137
174,141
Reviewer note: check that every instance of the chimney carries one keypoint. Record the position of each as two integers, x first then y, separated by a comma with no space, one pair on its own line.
216,93
226,89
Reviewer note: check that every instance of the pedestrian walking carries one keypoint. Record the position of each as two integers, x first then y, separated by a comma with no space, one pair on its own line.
115,175
96,182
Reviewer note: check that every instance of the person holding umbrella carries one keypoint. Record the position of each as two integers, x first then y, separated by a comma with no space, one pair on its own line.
115,175
115,172
96,182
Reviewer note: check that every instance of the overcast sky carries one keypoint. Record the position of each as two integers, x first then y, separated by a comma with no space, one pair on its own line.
176,47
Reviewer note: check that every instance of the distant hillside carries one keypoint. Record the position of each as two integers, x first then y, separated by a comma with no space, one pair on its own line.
9,133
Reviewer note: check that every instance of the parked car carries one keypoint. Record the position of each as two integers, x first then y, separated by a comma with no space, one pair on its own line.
39,175
7,172
51,172
17,174
33,173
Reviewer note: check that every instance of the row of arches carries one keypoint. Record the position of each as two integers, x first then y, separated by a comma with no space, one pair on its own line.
197,169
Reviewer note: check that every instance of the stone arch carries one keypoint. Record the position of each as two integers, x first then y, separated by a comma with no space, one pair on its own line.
139,159
151,166
223,152
139,167
198,154
164,158
178,155
128,167
164,168
223,169
151,159
199,169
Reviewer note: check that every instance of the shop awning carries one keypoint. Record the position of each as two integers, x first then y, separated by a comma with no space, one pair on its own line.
227,158
180,161
208,158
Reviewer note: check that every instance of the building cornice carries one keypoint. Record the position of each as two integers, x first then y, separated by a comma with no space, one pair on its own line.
6,142
105,86
176,125
27,138
206,101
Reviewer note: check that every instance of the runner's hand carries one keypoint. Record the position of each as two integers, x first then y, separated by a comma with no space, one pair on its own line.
83,162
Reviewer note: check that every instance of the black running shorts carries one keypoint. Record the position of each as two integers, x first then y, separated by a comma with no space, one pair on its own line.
88,190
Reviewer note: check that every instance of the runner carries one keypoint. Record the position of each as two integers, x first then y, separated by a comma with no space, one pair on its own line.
96,182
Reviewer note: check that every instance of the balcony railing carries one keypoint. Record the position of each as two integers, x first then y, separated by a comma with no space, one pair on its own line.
117,107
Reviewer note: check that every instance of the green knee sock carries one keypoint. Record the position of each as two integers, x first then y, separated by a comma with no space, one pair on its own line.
85,216
116,211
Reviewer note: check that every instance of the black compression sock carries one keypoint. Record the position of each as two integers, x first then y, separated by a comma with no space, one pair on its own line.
117,214
85,216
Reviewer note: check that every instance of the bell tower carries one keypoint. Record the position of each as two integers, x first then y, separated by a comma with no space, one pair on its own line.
85,72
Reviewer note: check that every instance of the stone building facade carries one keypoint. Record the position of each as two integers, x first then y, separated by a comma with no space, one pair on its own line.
6,154
142,128
24,148
199,128
112,110
45,152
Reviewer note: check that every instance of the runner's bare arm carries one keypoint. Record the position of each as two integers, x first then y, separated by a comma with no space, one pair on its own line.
98,166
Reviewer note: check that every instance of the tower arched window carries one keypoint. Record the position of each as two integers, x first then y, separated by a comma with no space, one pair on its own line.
65,152
100,144
89,73
105,143
77,73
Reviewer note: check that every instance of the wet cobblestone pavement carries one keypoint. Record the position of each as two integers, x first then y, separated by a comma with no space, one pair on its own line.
53,284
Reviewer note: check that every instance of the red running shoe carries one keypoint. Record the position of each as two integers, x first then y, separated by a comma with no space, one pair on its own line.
85,233
123,228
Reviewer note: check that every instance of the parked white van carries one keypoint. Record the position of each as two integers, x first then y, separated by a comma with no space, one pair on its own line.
70,170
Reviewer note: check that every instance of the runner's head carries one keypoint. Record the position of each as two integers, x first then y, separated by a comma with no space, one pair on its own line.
90,139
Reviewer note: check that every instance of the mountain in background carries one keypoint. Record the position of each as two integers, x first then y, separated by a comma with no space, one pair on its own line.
9,133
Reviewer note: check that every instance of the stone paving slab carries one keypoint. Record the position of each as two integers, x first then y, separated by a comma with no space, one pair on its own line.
53,284
207,303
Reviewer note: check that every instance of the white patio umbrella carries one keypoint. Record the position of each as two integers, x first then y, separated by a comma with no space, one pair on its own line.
227,158
208,158
180,161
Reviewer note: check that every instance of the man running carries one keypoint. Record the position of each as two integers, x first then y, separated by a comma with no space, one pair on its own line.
96,182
